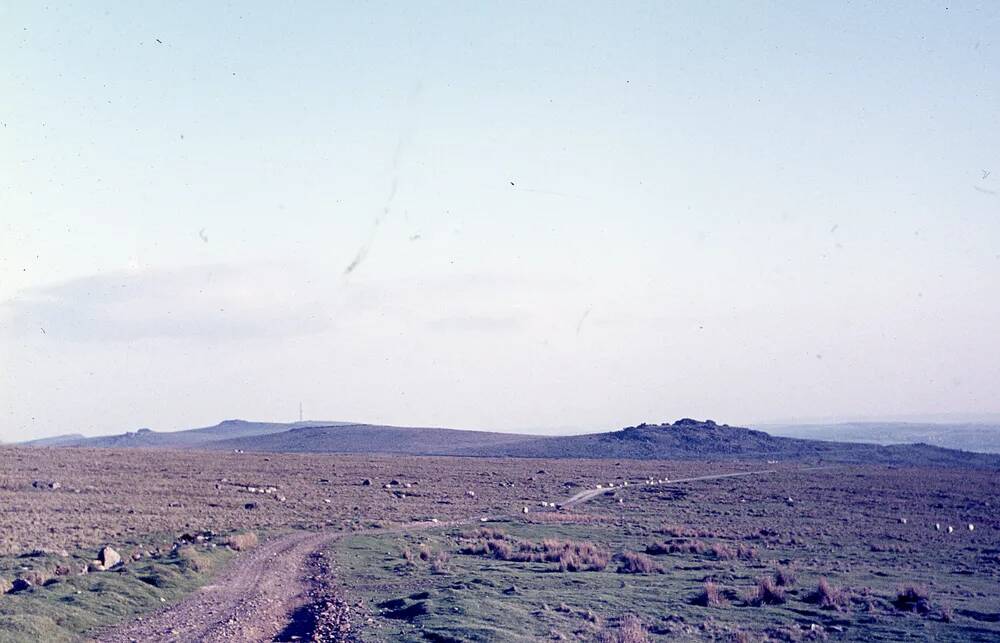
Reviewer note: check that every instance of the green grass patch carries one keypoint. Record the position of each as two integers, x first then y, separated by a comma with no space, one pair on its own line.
66,607
489,594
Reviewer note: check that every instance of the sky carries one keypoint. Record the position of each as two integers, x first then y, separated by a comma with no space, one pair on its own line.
507,216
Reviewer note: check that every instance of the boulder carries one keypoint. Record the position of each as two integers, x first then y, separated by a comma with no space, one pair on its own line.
20,584
108,557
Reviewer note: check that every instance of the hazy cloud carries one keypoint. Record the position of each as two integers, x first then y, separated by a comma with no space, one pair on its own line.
214,302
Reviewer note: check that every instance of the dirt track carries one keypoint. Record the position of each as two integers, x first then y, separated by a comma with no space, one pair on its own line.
251,600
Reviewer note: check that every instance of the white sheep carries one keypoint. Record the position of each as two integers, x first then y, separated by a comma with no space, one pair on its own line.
470,493
950,529
524,510
600,486
902,520
937,526
972,527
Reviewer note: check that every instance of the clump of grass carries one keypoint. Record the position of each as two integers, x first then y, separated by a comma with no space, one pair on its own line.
636,563
242,542
784,576
767,592
424,552
720,551
710,595
571,555
439,563
828,597
408,555
582,557
677,531
630,630
681,547
913,598
193,559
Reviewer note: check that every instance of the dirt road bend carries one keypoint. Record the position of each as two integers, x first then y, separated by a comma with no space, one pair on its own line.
253,599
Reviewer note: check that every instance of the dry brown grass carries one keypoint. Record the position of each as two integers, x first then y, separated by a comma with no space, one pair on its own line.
242,542
636,563
784,576
710,596
767,592
827,596
629,630
572,556
439,563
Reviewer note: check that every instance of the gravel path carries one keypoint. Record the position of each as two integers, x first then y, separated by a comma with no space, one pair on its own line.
254,599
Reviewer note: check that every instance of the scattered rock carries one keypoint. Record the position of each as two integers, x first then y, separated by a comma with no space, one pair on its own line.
108,557
20,584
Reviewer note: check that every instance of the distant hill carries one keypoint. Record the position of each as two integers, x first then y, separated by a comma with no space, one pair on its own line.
190,438
684,439
691,439
56,440
368,438
984,438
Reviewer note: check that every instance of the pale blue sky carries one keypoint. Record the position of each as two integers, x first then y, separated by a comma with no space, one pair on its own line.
746,212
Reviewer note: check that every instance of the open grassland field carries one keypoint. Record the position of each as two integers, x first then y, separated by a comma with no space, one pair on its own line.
849,552
786,557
